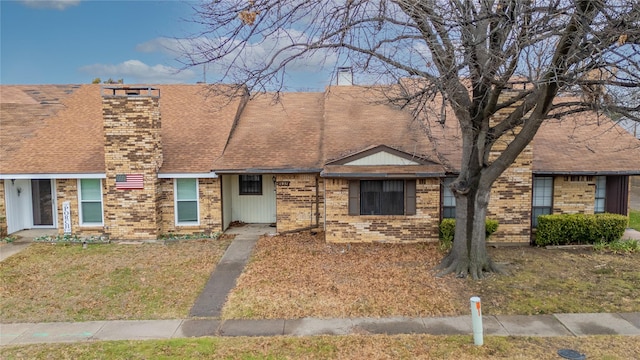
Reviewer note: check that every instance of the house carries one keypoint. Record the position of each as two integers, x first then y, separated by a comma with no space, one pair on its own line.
137,162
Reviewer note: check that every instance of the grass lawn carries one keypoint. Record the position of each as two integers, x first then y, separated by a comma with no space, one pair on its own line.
634,219
105,282
301,276
337,347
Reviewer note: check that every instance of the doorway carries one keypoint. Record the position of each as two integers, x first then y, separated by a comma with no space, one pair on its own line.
42,202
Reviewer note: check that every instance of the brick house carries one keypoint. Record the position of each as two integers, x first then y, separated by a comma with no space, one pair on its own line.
141,161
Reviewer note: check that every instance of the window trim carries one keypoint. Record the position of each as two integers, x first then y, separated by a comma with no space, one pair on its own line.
176,201
445,191
81,221
409,197
240,181
603,192
533,207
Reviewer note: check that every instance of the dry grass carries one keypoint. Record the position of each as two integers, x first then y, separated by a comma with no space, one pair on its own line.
561,281
301,276
105,282
337,347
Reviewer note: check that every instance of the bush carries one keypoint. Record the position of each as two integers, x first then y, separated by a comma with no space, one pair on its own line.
562,229
448,229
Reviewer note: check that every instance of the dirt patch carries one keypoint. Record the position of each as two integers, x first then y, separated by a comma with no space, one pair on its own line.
302,276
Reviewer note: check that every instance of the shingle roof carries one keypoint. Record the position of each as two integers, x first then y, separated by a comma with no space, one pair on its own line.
585,143
356,118
196,123
49,129
283,133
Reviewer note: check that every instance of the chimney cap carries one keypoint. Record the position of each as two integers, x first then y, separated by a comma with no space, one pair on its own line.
344,75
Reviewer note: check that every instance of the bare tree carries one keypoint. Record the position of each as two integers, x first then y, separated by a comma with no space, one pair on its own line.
465,52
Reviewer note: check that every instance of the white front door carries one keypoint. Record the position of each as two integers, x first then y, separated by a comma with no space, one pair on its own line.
18,200
30,203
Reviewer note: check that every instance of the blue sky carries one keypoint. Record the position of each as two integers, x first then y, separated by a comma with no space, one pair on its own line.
76,41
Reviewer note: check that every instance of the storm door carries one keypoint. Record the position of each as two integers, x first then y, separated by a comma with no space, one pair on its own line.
42,202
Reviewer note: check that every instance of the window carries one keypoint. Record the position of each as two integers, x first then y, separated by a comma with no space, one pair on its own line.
382,197
90,202
250,184
601,190
448,200
186,201
542,197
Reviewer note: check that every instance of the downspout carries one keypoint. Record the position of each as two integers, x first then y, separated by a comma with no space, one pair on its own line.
317,203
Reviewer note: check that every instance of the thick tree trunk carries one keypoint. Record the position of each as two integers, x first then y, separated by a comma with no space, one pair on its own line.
469,256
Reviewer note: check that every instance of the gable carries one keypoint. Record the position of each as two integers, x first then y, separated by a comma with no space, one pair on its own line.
381,155
382,158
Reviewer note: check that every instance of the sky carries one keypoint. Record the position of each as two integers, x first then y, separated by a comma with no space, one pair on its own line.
76,41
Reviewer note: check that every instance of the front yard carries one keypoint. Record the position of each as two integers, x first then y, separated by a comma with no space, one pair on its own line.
60,282
300,275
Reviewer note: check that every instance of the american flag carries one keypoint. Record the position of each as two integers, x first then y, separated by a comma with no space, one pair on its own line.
130,181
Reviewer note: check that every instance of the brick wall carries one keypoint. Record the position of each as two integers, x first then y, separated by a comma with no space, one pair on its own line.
510,201
342,227
210,210
296,201
132,146
574,194
67,190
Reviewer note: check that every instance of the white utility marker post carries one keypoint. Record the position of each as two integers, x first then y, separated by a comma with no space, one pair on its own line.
476,320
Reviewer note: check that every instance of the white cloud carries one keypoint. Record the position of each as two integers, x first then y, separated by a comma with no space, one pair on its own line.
50,4
250,56
135,71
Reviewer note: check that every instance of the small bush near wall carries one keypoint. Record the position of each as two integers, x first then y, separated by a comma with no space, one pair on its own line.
562,229
448,228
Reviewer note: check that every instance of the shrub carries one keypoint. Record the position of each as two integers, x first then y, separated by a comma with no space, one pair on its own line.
562,229
448,228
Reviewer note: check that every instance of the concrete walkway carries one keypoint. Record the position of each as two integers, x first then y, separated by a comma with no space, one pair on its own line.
230,266
25,238
514,325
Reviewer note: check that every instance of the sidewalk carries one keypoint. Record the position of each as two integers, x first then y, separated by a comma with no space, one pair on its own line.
514,325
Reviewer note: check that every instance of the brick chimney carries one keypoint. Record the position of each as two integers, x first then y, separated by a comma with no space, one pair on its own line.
133,156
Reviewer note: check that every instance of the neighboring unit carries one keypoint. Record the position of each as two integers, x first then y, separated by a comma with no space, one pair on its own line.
137,162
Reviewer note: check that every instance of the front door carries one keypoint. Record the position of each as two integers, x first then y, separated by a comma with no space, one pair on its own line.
617,194
42,202
29,203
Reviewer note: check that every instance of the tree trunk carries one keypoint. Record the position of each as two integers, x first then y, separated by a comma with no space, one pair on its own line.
469,252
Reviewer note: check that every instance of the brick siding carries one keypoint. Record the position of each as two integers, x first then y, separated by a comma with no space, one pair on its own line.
132,146
574,194
210,210
341,227
67,190
297,201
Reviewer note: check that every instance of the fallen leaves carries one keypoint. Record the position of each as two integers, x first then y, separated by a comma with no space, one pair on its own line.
300,275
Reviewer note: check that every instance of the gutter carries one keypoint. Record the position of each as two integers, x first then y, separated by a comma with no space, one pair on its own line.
595,173
267,171
381,175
